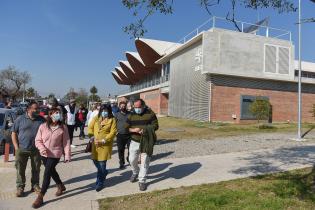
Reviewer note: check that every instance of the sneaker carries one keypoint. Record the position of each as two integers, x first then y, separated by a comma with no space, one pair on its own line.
19,192
73,146
142,186
36,189
121,167
99,188
133,178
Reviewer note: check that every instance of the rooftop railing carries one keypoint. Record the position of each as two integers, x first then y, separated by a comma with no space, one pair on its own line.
243,27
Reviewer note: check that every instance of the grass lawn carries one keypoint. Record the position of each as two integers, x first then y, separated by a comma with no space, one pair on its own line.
287,190
205,130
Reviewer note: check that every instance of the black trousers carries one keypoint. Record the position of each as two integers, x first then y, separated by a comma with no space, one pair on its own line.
50,172
71,130
123,140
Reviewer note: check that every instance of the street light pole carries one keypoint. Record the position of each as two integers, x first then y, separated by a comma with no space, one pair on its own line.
300,69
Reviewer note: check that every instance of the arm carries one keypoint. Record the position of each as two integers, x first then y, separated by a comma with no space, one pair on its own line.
15,140
39,143
128,126
113,131
66,144
14,134
155,122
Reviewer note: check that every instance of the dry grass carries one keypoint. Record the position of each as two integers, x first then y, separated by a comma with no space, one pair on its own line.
205,130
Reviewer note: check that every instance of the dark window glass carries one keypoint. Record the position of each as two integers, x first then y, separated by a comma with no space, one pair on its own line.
246,101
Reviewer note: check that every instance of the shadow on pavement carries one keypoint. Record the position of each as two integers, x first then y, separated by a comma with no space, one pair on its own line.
269,162
161,155
73,192
165,141
176,172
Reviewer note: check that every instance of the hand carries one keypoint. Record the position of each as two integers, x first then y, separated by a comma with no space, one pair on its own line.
96,142
141,131
44,153
137,130
66,160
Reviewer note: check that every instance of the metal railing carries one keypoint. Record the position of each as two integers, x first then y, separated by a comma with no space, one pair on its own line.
223,23
147,84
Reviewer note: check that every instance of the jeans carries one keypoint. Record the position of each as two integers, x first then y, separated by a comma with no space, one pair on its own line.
142,172
71,130
50,172
123,140
101,172
21,158
82,125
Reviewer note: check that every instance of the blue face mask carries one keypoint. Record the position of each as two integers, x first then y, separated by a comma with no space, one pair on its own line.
56,117
138,110
104,114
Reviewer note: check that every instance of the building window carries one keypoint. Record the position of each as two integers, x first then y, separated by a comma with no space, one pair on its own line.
246,101
276,59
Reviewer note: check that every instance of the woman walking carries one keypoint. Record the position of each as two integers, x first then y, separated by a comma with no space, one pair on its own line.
103,129
52,140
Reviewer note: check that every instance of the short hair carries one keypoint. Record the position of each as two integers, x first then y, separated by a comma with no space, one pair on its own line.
141,100
31,104
122,102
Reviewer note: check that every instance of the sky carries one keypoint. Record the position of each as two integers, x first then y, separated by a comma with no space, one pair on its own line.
67,44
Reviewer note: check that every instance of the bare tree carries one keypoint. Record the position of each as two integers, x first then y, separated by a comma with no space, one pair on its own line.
149,7
13,81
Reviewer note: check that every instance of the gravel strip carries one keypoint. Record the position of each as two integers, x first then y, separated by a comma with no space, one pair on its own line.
191,147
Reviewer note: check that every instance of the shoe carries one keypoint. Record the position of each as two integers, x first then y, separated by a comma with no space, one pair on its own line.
20,192
60,189
133,178
73,146
142,186
99,188
39,201
36,189
121,167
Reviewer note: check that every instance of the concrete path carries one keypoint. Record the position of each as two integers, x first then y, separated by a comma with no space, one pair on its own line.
79,175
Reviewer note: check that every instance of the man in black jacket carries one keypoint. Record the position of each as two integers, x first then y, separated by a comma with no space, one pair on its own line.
123,135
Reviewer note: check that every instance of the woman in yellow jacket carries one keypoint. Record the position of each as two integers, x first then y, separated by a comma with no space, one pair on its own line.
103,129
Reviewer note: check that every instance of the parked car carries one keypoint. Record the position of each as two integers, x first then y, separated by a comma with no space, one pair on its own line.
7,118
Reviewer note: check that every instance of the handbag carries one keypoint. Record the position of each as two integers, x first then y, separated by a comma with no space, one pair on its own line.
88,147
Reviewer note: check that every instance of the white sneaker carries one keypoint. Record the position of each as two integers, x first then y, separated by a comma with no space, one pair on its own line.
73,146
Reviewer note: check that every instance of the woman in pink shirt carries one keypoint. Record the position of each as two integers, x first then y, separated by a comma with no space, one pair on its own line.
52,141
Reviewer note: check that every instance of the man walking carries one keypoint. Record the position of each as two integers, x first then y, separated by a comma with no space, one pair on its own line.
24,131
123,135
142,125
71,119
81,118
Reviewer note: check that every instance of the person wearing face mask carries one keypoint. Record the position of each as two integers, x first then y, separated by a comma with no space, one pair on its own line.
123,135
52,141
103,128
72,110
52,102
142,124
23,135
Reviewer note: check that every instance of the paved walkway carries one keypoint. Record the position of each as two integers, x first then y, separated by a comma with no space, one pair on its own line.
79,175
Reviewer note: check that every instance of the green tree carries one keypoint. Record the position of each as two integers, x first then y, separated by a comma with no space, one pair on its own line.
260,108
82,97
146,8
94,98
30,92
93,91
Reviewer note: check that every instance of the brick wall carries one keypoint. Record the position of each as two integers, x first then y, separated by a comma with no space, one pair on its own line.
226,102
152,99
164,104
